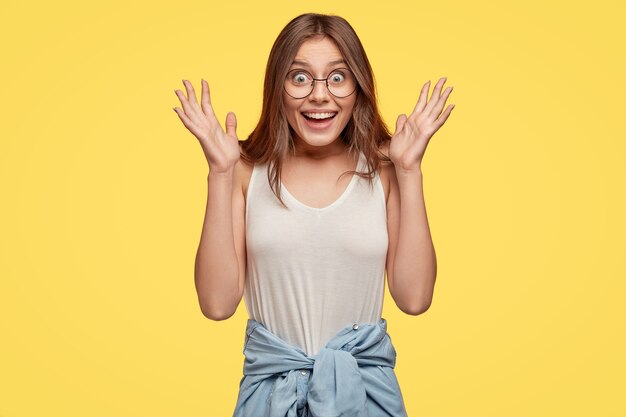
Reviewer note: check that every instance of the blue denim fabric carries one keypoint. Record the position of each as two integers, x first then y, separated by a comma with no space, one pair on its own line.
352,376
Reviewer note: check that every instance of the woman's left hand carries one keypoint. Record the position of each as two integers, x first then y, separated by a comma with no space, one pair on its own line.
412,135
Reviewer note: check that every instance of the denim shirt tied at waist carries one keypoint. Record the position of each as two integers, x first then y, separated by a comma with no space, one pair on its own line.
351,376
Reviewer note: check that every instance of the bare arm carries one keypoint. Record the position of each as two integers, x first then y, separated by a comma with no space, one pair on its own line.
220,261
412,262
412,268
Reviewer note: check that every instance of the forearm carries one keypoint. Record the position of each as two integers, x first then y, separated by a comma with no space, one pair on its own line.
216,266
415,264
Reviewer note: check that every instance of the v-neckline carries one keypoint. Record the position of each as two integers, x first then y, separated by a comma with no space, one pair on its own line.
335,203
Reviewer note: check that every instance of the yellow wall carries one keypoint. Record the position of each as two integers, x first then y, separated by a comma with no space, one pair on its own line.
104,190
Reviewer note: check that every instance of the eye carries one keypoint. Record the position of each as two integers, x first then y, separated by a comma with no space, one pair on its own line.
336,77
300,77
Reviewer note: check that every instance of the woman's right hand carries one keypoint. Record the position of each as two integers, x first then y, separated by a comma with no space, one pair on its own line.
220,148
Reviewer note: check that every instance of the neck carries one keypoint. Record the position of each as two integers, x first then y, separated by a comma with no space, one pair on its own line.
306,151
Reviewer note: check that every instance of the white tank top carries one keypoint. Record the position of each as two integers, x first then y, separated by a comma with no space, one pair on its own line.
312,271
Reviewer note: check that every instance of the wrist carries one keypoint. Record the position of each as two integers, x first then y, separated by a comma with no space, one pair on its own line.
228,174
409,173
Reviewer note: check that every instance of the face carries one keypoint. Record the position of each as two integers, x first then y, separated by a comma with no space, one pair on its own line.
317,56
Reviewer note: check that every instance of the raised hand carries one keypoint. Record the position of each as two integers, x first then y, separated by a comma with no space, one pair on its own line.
220,148
413,133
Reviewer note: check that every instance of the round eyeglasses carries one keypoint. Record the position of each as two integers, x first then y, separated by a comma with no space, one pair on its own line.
299,83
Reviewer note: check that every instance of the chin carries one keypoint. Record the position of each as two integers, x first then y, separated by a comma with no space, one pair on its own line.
320,138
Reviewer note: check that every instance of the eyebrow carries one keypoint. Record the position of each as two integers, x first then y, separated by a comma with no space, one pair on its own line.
339,61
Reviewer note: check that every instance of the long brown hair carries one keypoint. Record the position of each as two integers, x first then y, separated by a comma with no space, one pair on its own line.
272,138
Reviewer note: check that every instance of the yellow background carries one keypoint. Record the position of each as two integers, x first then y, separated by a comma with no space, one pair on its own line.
104,192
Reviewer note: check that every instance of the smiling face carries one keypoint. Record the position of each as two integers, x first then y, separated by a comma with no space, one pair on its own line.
319,57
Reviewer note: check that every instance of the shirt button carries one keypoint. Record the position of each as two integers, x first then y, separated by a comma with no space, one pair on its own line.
355,326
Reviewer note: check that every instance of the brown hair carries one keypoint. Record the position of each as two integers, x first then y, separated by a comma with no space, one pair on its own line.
272,138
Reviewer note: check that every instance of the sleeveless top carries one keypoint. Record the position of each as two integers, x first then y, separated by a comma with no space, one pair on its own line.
312,271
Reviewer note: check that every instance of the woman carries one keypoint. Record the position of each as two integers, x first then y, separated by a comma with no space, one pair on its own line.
305,246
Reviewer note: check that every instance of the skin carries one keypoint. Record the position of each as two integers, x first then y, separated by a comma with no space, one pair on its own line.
311,175
411,259
309,143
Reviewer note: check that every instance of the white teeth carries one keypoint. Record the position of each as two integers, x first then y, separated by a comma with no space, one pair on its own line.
319,115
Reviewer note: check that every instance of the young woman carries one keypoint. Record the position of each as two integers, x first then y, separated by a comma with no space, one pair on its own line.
306,246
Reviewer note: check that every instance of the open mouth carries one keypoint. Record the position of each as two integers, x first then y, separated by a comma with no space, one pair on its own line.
320,120
321,117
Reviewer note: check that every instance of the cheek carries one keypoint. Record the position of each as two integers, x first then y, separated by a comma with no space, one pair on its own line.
292,113
292,119
289,114
348,114
349,109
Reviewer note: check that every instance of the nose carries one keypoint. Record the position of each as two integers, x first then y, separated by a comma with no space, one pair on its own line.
320,91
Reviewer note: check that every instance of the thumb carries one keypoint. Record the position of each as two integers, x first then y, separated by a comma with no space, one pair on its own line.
400,122
231,124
